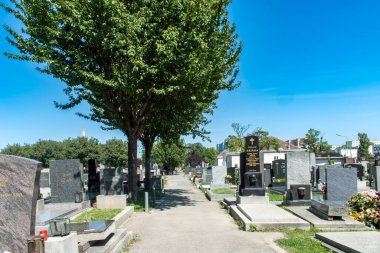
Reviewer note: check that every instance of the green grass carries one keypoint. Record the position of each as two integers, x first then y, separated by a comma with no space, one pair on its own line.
300,241
129,244
222,191
275,197
97,214
140,205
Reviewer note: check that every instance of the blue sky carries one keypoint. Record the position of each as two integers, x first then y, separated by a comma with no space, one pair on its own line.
305,64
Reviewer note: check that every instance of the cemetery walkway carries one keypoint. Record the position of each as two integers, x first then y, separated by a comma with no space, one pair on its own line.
185,222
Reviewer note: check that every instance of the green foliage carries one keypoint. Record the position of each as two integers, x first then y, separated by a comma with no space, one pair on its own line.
235,144
363,146
46,150
17,150
240,129
210,155
140,65
266,142
114,153
129,244
252,228
223,191
97,214
240,224
237,177
314,142
82,148
171,154
299,241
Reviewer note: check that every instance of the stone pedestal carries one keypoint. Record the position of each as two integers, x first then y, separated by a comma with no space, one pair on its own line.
298,195
252,200
111,201
329,210
62,244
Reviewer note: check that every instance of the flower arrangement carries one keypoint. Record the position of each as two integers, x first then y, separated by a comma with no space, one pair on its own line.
365,207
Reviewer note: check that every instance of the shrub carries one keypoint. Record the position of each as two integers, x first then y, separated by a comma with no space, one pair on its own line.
365,207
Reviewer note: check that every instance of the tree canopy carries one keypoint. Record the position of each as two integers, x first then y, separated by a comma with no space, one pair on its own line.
125,58
169,155
364,144
313,142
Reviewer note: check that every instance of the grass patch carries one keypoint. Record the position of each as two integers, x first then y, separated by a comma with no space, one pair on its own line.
240,224
275,197
97,214
140,205
300,241
222,191
129,244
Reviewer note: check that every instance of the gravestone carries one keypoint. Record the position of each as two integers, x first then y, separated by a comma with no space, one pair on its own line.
321,172
231,173
93,180
45,179
298,187
297,168
377,177
279,174
207,176
268,174
251,178
219,174
199,171
19,187
66,181
360,169
111,181
341,184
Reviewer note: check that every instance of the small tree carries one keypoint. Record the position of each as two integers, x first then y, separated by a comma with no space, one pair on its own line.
314,143
266,142
169,155
364,145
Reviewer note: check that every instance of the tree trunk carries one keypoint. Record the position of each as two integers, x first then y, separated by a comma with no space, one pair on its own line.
148,145
132,168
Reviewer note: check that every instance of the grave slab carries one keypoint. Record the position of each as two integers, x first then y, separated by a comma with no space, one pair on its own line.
345,223
264,216
352,242
62,244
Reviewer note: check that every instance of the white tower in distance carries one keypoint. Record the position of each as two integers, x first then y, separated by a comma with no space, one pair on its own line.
84,132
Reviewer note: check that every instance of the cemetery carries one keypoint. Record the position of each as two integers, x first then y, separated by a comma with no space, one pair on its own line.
155,74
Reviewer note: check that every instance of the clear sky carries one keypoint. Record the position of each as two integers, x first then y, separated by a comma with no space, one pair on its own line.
305,64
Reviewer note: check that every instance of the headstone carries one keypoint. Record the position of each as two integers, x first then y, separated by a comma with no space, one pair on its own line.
111,181
360,169
321,172
267,177
298,194
219,174
93,180
207,175
251,181
297,168
19,187
45,178
279,174
377,177
66,181
231,173
341,184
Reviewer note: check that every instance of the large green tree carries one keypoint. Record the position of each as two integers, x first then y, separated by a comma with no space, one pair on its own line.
126,57
46,150
114,153
266,142
169,154
81,148
364,144
313,142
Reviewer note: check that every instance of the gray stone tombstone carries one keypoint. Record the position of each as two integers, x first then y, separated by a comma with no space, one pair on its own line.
207,175
297,168
321,172
219,174
341,183
19,187
45,178
267,177
66,180
111,181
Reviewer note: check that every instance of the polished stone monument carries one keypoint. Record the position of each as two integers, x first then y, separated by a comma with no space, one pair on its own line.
66,181
251,177
341,184
93,180
111,181
377,177
279,174
19,187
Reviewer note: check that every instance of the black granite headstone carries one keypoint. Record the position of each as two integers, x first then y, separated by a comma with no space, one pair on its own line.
65,180
111,181
251,176
279,173
93,180
19,187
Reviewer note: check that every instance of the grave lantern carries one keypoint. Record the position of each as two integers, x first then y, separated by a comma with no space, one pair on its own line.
301,192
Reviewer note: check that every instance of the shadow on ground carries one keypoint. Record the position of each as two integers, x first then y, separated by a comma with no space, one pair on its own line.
174,198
